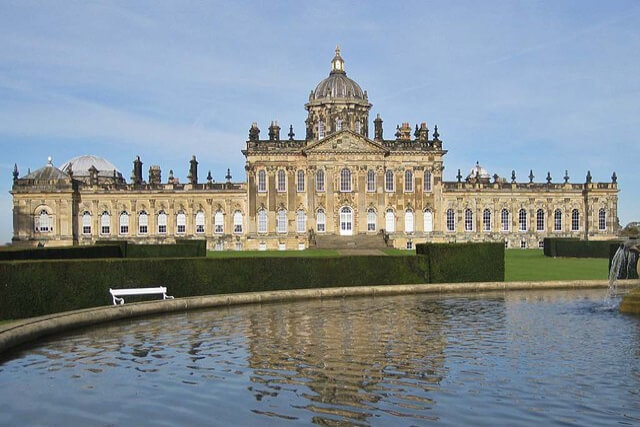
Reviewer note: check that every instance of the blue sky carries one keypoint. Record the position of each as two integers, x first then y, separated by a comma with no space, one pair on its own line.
546,85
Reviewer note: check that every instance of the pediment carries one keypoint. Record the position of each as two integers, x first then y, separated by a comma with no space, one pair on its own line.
345,142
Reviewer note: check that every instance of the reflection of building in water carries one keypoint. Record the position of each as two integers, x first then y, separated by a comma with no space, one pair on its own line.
338,179
349,355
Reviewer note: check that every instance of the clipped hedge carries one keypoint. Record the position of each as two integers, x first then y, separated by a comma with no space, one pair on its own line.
574,248
464,262
550,245
194,248
110,249
68,252
42,287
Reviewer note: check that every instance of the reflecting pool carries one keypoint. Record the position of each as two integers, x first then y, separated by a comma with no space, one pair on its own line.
519,358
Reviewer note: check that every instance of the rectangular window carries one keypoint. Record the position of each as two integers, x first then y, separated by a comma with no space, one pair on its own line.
262,181
427,182
408,182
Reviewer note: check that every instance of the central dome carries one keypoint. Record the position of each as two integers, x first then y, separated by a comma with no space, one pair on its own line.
338,85
80,166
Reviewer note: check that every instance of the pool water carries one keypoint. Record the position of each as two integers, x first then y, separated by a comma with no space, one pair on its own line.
516,358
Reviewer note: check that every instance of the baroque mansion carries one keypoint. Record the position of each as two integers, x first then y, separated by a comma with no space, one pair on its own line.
340,181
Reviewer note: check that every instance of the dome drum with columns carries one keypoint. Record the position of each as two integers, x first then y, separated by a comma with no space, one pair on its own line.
332,184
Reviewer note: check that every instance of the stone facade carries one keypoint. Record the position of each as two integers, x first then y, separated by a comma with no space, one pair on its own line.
336,181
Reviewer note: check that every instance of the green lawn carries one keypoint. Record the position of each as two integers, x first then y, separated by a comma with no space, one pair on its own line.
531,264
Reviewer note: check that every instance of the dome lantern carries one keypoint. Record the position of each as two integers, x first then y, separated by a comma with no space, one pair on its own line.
337,63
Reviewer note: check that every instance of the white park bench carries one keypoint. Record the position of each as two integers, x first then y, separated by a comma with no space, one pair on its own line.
116,293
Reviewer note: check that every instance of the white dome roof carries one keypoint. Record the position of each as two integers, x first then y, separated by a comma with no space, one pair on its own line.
478,172
80,166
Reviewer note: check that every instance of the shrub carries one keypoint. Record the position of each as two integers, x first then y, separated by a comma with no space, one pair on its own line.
464,262
575,248
42,287
70,252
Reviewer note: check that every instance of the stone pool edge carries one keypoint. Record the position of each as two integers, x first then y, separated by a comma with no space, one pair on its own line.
15,333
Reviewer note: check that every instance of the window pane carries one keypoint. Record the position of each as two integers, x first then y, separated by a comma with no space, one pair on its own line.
262,181
218,223
262,221
428,221
237,222
320,181
320,221
408,181
427,181
408,222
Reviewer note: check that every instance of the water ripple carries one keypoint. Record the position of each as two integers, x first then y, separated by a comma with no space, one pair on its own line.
557,357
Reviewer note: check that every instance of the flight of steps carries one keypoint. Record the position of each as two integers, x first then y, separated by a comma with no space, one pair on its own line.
360,241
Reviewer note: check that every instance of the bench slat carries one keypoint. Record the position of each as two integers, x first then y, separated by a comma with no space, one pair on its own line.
115,293
138,291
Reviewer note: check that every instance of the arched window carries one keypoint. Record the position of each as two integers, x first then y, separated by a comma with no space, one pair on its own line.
301,221
281,223
199,222
300,181
105,223
358,127
320,130
575,220
262,221
42,222
371,181
408,181
486,219
338,125
124,223
143,223
539,220
181,222
428,221
602,219
262,181
408,221
522,220
218,222
468,220
237,222
86,223
388,181
320,181
162,222
321,219
282,181
557,220
390,221
427,181
504,220
371,219
451,220
345,180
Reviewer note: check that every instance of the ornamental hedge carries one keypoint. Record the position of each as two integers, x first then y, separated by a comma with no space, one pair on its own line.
68,252
574,248
110,249
40,287
464,262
